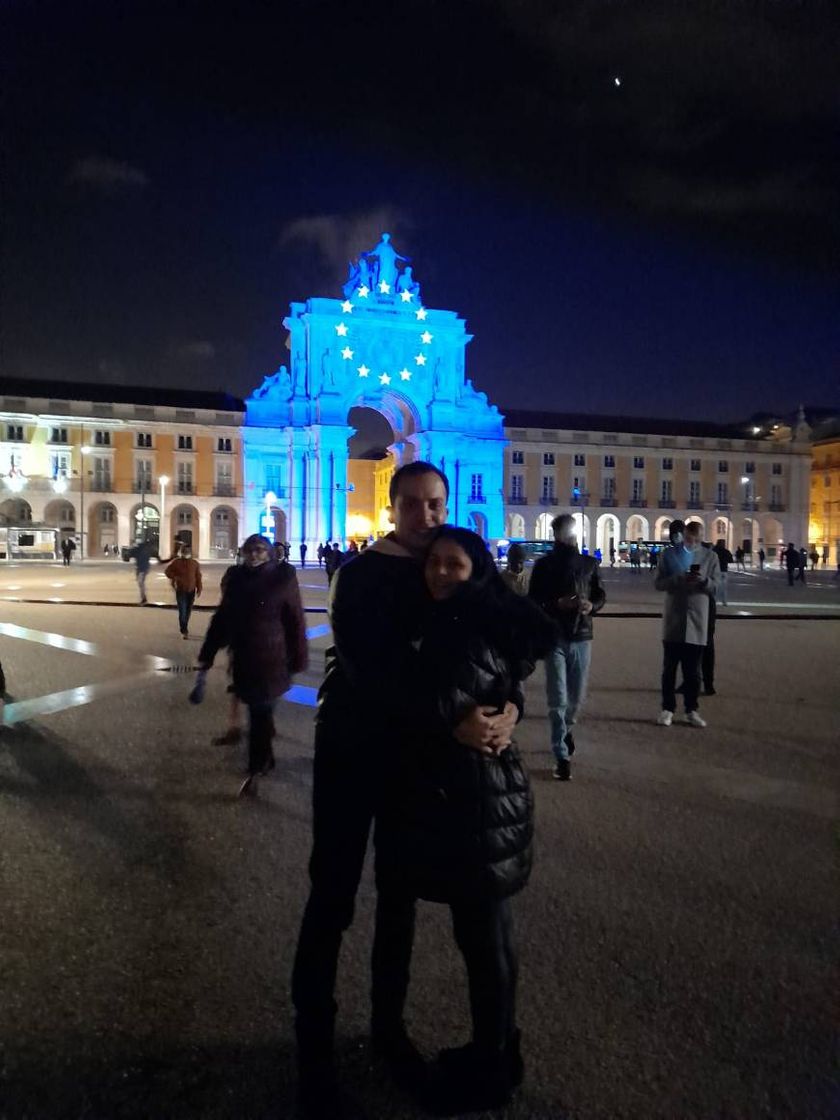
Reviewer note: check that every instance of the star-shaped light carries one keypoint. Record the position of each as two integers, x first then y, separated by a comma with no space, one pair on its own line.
384,379
426,337
363,292
347,353
421,313
420,359
384,287
341,329
347,307
405,374
363,370
405,296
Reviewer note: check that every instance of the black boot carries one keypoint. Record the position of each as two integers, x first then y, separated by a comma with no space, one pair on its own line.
471,1079
403,1060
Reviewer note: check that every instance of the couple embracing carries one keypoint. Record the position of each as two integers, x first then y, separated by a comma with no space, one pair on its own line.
413,735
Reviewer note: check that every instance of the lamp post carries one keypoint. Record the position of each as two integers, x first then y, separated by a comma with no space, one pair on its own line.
746,482
579,499
163,480
84,451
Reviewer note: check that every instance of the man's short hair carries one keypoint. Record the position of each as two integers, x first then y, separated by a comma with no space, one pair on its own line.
410,470
561,521
676,526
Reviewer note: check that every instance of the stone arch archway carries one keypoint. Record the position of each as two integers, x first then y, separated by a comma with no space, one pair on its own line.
224,532
101,528
478,523
15,511
145,523
607,533
720,528
184,522
542,529
62,514
515,527
660,528
637,527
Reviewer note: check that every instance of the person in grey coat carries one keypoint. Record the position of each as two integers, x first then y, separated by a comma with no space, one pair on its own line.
689,575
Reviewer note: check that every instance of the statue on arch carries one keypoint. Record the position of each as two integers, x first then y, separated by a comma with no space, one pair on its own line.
407,283
387,257
277,385
358,276
327,371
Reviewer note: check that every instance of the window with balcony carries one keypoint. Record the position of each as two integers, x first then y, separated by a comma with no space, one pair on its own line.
476,488
223,443
609,489
60,464
580,460
775,495
638,489
224,478
723,466
666,492
609,460
579,482
776,468
639,462
144,439
102,439
517,487
517,457
58,435
272,478
723,493
101,473
143,480
667,464
14,433
694,494
185,443
694,465
749,468
548,488
184,479
548,459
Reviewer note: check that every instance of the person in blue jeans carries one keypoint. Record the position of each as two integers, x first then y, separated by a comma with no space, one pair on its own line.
568,588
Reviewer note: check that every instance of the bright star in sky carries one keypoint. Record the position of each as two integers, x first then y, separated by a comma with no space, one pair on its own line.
384,379
421,313
384,287
363,370
420,359
405,297
346,353
426,337
347,307
363,291
341,330
405,374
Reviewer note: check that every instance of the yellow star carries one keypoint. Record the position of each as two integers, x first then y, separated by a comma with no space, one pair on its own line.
405,374
384,379
420,313
384,287
341,330
363,291
426,337
405,297
363,370
347,353
420,359
347,307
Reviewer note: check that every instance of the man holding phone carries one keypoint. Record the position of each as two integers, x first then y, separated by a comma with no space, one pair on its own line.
689,575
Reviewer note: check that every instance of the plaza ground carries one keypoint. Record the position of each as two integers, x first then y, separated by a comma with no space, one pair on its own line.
678,938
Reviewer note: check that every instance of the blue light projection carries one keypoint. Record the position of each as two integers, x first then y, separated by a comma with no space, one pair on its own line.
378,347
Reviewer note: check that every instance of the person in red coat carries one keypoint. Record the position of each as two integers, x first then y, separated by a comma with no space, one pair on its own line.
260,619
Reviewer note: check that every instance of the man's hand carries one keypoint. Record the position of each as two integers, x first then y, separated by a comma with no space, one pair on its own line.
486,730
585,606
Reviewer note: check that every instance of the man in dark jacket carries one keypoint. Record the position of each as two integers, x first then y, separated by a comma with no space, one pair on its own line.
365,701
724,560
791,559
567,586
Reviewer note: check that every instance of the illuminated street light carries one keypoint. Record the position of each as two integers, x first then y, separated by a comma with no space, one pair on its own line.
85,450
163,480
267,518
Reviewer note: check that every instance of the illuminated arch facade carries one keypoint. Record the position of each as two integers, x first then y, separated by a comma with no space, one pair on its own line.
378,347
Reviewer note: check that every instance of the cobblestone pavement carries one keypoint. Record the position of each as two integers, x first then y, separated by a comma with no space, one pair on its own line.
678,937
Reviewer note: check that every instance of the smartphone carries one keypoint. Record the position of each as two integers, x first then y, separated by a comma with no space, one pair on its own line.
694,568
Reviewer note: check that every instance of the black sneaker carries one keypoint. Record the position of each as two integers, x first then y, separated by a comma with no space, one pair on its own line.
563,771
398,1053
569,740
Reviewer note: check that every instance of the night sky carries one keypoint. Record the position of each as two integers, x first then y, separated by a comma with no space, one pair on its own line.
668,245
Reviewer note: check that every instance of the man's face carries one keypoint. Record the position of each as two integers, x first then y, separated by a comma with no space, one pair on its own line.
692,537
565,533
418,509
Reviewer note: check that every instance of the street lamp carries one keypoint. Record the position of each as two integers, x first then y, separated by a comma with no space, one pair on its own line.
163,480
84,450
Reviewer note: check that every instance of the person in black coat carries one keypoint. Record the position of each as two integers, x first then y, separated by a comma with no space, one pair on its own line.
261,620
459,826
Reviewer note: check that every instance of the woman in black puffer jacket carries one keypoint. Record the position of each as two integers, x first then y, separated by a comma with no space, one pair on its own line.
459,826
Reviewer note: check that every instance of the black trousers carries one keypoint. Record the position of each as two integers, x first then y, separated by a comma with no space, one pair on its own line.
346,787
686,656
260,734
707,664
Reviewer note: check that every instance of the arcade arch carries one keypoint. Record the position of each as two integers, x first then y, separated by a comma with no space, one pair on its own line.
144,522
15,511
515,527
478,523
61,514
660,529
224,532
607,532
184,526
542,531
637,527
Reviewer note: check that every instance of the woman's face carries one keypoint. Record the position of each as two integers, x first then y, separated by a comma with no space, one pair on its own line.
447,566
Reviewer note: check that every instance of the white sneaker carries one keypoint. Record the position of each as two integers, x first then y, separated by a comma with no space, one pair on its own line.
694,719
666,718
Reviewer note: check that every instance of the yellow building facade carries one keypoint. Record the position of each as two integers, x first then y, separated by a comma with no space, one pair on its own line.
825,498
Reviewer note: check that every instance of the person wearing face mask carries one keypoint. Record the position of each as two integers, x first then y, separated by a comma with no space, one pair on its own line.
689,575
458,826
568,588
260,619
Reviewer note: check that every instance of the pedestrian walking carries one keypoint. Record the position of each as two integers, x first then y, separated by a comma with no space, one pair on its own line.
814,557
790,558
68,547
762,556
724,557
740,566
458,827
303,551
515,575
321,551
376,607
184,573
689,575
568,588
260,619
332,561
142,554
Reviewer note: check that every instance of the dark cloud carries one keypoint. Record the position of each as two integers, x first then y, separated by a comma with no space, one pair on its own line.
200,350
106,175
